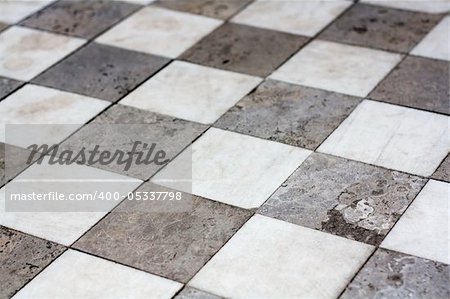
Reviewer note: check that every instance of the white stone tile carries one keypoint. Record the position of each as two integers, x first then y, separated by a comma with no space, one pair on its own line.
431,6
337,67
297,17
202,94
141,2
395,137
436,44
159,31
269,258
423,230
13,11
63,224
235,169
78,275
35,104
25,52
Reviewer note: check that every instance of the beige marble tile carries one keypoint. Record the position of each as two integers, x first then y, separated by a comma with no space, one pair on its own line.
437,43
13,11
431,6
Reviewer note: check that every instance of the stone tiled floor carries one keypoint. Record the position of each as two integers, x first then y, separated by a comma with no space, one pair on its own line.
317,130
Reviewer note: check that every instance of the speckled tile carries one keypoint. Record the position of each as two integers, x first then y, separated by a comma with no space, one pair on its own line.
443,171
296,17
244,49
168,133
347,198
287,113
268,258
419,83
436,43
77,275
390,274
13,11
170,32
80,18
173,245
202,94
22,257
391,136
16,160
192,293
7,86
27,52
222,9
436,6
381,27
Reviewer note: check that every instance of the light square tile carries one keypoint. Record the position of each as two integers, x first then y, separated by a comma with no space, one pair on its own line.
192,92
337,67
391,136
270,258
24,52
78,275
235,169
437,43
423,230
15,10
159,31
298,17
433,6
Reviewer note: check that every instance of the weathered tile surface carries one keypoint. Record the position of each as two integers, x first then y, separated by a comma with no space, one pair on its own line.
443,171
21,258
438,6
436,43
80,18
15,157
102,72
7,86
13,11
381,27
419,83
287,113
192,293
390,274
244,49
347,198
3,26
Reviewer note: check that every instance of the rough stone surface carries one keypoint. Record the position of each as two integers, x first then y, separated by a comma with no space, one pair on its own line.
3,26
443,171
346,198
222,9
80,18
191,293
381,27
417,82
16,161
292,114
244,49
7,86
171,244
390,274
22,257
101,71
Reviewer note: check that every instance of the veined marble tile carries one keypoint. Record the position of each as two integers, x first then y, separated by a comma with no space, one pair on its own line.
297,17
27,52
202,94
13,10
236,169
436,44
79,275
337,67
268,258
391,136
159,31
435,6
423,230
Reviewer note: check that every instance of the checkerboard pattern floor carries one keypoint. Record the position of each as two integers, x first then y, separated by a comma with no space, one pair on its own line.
320,153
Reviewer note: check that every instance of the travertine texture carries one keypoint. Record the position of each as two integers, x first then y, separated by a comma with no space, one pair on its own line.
437,6
436,43
3,26
12,161
7,86
443,171
191,293
13,11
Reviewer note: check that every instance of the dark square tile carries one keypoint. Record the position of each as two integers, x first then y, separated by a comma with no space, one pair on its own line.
16,161
292,114
390,274
83,19
22,257
417,82
244,49
343,197
100,71
8,85
191,293
171,244
443,171
381,27
3,26
222,9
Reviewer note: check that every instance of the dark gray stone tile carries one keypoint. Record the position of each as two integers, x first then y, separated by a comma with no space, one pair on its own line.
417,82
443,171
12,161
3,26
83,19
390,274
22,257
120,126
381,27
101,71
346,198
222,9
191,293
292,114
244,49
171,244
7,86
